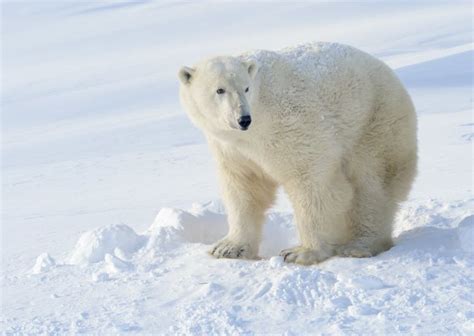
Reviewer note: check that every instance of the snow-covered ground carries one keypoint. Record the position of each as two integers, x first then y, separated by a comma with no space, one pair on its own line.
109,196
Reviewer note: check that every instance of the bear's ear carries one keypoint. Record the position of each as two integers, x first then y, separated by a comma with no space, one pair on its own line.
186,75
252,68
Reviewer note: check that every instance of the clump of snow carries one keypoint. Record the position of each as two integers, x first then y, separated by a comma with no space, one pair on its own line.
121,254
116,265
93,245
466,234
276,262
173,227
43,263
100,277
199,225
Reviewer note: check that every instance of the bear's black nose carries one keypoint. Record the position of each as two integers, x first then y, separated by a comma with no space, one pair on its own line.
244,122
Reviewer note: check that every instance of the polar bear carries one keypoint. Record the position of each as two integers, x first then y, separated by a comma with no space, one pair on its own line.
329,123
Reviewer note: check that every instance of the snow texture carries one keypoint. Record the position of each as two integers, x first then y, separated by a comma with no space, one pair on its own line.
110,199
93,246
43,263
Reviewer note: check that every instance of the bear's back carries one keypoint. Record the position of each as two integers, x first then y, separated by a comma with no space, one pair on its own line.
315,60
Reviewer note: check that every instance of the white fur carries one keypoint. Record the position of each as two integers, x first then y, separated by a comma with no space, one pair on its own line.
330,124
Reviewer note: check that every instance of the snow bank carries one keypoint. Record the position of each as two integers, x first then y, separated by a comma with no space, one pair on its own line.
210,296
171,228
204,224
93,245
425,228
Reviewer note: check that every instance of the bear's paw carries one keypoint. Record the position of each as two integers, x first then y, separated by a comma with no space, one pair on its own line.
227,248
304,256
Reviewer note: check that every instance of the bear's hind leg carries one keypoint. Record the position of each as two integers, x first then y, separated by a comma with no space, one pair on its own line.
371,220
320,209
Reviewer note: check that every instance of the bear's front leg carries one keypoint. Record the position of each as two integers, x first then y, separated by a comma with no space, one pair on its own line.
321,207
247,194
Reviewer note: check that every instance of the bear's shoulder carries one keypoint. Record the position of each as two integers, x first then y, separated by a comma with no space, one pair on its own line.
306,58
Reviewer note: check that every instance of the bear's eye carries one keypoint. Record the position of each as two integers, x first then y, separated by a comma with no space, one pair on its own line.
247,89
220,91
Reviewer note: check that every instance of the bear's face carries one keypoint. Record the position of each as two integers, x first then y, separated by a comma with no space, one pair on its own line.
217,93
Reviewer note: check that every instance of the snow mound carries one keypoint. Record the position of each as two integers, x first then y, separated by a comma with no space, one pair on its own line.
433,213
43,263
93,245
114,244
200,225
116,265
466,234
207,223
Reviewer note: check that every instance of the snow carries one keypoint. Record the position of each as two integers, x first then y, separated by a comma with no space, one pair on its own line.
93,246
466,234
43,263
109,195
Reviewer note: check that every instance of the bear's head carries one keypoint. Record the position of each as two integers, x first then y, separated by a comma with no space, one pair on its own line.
217,93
